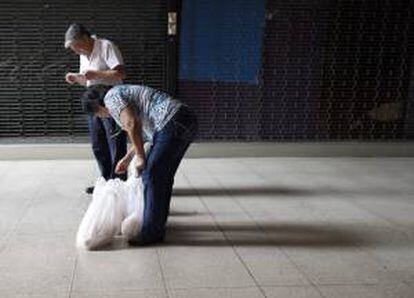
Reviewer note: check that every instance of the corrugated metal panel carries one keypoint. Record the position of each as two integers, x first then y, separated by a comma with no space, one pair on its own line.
34,98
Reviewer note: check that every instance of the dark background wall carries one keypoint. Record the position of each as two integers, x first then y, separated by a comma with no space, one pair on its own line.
252,69
35,100
221,49
298,70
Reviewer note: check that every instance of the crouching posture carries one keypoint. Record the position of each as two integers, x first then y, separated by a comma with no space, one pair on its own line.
150,115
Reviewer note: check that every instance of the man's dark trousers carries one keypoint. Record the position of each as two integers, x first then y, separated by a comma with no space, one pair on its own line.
108,145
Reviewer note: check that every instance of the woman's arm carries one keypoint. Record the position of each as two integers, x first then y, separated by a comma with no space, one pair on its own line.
132,125
123,163
130,154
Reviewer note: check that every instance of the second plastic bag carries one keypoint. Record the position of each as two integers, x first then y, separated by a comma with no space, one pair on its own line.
116,208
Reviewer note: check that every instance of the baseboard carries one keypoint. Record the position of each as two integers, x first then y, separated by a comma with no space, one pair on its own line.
52,151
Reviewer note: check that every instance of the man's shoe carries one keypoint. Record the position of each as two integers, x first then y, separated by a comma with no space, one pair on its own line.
89,190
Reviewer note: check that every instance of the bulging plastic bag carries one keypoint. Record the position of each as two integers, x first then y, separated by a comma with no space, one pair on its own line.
116,208
134,202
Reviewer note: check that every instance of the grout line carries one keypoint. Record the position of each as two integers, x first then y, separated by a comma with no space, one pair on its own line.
260,227
226,238
358,247
395,226
399,227
162,272
75,265
232,287
282,250
27,205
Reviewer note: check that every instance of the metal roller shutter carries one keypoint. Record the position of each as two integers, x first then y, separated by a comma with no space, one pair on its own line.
34,97
328,70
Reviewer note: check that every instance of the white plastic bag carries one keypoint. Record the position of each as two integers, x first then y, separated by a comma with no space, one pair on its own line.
132,224
116,207
134,201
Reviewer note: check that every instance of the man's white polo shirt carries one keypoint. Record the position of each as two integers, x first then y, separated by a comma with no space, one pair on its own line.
105,56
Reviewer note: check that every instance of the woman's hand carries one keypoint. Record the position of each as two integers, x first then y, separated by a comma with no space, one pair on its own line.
140,165
122,166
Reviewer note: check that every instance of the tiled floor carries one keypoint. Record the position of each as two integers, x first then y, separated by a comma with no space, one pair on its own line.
271,227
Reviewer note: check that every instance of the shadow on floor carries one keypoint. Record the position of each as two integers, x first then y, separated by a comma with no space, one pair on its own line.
253,191
242,191
274,235
184,213
278,235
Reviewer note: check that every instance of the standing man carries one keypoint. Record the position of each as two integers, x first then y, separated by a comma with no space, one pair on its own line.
100,63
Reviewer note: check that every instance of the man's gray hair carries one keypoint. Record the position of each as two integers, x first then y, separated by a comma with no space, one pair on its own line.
74,33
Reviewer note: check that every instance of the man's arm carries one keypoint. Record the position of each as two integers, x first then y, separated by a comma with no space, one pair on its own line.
117,73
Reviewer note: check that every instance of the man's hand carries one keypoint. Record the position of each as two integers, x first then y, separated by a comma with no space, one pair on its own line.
91,74
71,78
122,166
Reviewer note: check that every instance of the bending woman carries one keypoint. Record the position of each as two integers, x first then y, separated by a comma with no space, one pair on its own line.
147,114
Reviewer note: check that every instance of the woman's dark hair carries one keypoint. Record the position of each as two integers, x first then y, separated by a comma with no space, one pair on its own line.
93,97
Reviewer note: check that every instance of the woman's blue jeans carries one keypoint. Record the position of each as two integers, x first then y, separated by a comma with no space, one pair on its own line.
168,149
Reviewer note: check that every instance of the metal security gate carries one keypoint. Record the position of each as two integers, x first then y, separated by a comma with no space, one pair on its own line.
336,70
34,97
299,69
